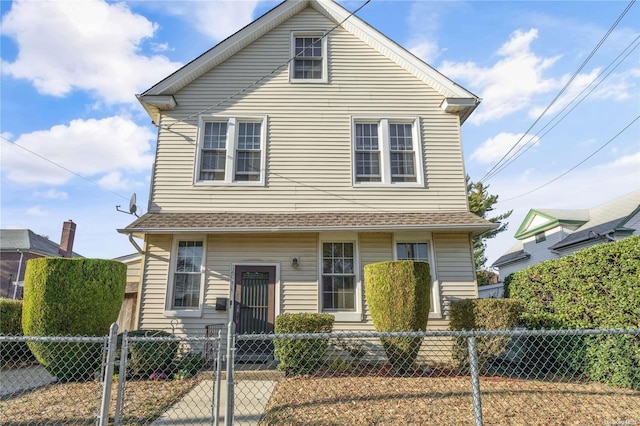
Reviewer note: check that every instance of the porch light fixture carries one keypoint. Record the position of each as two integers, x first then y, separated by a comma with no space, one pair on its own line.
295,262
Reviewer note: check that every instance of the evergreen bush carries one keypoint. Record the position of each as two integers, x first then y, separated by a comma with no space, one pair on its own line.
483,314
11,325
71,297
302,356
397,294
598,287
148,357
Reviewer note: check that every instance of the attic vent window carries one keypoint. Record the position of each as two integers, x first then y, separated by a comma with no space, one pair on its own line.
540,237
309,52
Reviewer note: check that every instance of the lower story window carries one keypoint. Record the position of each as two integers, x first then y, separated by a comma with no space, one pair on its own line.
338,277
416,251
187,278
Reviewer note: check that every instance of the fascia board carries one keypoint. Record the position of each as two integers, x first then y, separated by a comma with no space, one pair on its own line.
475,229
527,220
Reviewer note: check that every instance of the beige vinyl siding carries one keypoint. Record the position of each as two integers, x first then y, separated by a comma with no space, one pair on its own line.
455,271
309,131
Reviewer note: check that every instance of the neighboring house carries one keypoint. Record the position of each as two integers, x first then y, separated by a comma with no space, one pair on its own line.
127,316
277,180
19,245
548,233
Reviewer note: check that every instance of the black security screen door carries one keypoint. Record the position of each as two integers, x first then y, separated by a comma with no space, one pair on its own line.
254,306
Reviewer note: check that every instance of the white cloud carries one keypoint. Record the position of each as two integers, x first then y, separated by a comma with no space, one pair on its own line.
37,211
87,45
87,147
216,19
53,194
493,149
424,23
509,84
115,181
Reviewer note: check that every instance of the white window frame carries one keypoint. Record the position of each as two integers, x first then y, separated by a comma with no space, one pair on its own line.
384,147
169,310
292,52
342,237
231,148
423,237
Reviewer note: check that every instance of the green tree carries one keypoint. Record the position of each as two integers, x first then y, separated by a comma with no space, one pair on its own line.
481,203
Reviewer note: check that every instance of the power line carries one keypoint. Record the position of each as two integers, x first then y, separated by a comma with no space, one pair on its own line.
577,165
564,88
264,77
590,87
14,144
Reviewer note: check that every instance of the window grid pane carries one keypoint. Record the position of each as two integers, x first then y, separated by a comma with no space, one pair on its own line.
338,276
308,58
367,153
248,153
187,278
214,151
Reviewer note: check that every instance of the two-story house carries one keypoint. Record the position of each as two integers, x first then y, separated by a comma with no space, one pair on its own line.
547,234
289,156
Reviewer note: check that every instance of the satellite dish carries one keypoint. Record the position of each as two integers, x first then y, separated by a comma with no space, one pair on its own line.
132,205
133,208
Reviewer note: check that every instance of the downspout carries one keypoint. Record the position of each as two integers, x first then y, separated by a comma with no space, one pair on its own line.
15,290
135,245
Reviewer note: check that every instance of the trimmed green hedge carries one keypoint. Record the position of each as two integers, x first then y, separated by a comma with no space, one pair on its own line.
483,314
11,325
598,287
301,356
151,357
398,294
71,297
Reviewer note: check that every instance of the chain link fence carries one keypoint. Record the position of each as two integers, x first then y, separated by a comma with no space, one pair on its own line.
552,377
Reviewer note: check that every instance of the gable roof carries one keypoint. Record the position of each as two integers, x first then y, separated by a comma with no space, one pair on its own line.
29,241
159,97
539,220
515,254
606,220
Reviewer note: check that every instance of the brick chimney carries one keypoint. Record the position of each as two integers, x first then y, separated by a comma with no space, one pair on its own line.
66,240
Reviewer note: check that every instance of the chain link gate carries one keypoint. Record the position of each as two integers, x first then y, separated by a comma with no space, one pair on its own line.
542,377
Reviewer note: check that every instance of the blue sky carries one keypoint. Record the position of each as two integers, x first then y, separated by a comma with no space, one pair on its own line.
70,71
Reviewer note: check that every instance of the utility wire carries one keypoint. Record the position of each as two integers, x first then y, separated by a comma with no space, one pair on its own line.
264,77
590,87
564,88
577,165
14,144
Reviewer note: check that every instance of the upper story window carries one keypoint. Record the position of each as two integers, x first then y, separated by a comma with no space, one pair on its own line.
231,150
540,237
309,52
387,151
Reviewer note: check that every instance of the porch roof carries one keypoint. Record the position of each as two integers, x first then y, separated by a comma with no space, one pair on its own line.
199,222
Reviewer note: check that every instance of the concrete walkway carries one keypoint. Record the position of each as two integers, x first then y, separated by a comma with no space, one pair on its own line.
18,380
196,407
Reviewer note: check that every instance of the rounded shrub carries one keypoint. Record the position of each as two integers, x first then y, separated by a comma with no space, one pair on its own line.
302,356
398,294
152,354
71,297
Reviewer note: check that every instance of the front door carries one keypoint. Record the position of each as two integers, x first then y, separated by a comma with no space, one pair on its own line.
254,312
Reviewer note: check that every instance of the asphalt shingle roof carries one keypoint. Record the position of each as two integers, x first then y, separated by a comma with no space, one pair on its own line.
263,222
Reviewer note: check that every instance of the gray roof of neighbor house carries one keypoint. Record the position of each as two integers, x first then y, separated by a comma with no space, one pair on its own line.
513,255
605,220
27,240
306,222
